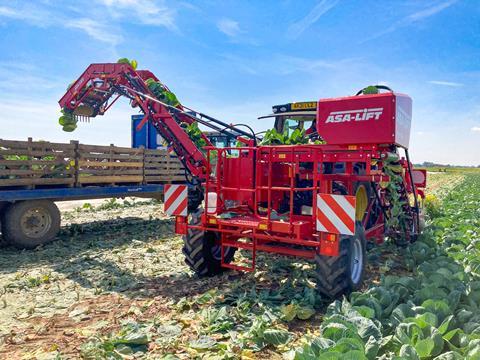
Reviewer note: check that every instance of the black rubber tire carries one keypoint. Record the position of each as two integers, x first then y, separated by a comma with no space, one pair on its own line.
334,273
3,210
15,234
201,250
195,199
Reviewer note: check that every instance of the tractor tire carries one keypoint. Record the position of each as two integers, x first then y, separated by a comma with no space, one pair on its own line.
342,274
195,199
202,250
28,224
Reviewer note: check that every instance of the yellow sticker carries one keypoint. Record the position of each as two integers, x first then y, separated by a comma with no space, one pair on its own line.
282,156
212,221
262,226
308,105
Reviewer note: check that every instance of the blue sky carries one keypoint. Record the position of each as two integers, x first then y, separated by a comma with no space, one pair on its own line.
234,59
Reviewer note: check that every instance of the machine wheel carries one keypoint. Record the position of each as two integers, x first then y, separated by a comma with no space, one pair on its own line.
338,275
195,198
3,208
363,194
202,249
28,224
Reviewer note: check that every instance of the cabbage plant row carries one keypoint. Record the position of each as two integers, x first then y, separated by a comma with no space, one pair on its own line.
433,313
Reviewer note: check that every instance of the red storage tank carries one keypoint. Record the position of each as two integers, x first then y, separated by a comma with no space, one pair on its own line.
365,119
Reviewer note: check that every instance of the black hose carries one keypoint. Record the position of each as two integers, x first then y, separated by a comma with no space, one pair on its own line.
194,181
414,190
173,109
374,187
214,127
379,87
253,132
227,126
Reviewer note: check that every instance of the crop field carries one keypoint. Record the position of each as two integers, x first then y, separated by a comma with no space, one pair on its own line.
114,286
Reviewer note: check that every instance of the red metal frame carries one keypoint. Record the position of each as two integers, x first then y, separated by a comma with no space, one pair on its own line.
99,82
269,163
261,181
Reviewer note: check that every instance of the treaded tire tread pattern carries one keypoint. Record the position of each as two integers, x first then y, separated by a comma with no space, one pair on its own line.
194,200
197,249
11,224
333,272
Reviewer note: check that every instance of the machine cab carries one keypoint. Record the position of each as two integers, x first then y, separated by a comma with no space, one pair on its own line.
292,116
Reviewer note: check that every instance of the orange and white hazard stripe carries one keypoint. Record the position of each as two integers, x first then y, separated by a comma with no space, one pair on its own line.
176,200
336,214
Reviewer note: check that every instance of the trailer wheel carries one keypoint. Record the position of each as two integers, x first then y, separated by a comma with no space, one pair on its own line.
338,275
28,224
3,209
202,250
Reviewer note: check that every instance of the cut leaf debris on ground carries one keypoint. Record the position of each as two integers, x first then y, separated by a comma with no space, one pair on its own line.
114,286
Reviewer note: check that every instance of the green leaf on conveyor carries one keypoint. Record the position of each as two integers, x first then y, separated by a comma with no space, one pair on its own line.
161,92
67,120
273,137
370,90
123,61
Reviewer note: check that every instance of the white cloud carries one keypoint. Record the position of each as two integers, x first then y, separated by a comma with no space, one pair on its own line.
279,64
8,12
146,12
475,129
286,64
419,15
297,28
95,30
43,17
445,83
229,27
14,76
30,14
413,18
96,22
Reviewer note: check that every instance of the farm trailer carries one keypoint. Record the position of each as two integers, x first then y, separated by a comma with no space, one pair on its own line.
341,183
35,174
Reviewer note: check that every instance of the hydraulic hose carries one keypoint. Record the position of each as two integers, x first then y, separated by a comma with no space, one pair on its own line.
379,87
254,137
201,121
414,190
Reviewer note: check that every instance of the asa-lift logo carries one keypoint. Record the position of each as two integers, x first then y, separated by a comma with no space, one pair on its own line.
354,115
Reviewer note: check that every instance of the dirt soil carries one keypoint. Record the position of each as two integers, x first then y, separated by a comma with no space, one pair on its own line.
119,262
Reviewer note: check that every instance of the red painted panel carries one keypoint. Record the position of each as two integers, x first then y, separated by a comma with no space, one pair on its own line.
366,119
238,173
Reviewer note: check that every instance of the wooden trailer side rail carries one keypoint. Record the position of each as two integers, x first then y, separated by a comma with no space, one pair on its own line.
33,164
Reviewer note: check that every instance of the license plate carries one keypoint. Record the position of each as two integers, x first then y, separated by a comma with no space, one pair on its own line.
310,105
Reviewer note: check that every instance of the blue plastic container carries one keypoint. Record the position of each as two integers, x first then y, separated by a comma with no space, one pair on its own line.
147,136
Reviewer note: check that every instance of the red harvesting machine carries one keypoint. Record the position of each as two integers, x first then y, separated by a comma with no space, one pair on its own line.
322,200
